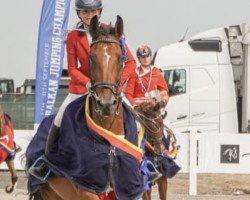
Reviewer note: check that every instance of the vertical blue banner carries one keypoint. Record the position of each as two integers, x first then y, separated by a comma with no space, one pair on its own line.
50,54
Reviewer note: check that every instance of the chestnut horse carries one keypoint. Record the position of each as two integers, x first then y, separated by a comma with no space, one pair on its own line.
150,116
106,111
7,148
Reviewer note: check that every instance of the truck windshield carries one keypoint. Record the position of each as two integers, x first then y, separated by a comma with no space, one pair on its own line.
176,79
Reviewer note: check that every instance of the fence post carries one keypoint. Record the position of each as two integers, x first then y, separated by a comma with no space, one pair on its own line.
193,161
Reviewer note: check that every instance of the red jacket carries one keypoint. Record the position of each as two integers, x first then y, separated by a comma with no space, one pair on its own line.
137,87
78,49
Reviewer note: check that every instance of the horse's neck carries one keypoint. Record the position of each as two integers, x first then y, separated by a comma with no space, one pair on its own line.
2,126
113,123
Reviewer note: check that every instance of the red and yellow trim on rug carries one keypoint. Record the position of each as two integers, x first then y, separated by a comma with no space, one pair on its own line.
111,137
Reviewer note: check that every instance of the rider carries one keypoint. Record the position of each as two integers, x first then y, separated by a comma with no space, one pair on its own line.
78,47
146,79
146,82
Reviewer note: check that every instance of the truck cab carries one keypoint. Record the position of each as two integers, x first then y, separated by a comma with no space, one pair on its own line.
207,79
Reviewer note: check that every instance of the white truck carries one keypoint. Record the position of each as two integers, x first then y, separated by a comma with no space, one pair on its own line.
209,80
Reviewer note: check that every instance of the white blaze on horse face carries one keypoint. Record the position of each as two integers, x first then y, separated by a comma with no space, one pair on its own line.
106,55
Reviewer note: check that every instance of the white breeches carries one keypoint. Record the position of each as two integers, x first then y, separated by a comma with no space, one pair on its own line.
71,97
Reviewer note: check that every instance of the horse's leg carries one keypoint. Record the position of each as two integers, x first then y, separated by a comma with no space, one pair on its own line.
68,191
63,187
162,188
48,193
88,195
14,178
11,166
147,195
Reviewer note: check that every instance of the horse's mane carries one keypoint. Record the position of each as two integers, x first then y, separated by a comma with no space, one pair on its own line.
148,108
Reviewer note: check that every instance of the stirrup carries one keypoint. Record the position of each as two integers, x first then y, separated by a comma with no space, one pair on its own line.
149,163
154,176
41,178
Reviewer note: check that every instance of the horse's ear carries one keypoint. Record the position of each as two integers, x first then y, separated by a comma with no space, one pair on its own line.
119,26
94,26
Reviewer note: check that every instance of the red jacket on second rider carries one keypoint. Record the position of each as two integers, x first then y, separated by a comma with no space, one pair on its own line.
144,82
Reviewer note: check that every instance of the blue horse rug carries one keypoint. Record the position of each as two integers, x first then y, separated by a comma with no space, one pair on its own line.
87,158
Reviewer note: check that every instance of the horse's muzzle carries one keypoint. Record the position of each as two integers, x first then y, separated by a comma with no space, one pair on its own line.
107,107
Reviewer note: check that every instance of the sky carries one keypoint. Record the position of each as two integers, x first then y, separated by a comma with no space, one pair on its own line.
153,22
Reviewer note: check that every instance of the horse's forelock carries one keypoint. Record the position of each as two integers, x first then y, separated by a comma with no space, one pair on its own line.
147,107
104,32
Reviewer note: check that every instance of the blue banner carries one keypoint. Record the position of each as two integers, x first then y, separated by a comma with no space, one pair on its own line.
50,54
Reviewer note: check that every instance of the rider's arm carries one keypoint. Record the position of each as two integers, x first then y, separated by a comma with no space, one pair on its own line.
130,89
72,58
162,86
129,67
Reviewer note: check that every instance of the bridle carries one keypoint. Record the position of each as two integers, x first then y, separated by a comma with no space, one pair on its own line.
114,87
153,121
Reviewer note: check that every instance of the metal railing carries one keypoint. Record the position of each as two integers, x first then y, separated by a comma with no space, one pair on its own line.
21,107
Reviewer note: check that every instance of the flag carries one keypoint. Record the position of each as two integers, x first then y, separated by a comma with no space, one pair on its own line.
50,54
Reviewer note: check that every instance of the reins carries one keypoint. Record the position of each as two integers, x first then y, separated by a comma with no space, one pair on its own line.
140,118
152,121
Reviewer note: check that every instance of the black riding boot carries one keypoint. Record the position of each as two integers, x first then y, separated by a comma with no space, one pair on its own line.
154,176
41,170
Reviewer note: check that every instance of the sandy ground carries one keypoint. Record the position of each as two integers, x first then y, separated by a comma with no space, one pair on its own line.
210,187
212,184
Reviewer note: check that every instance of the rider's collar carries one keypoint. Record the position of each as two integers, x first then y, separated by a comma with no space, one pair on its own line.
141,71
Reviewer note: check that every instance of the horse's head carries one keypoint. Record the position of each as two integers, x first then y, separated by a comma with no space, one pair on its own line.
106,65
150,113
